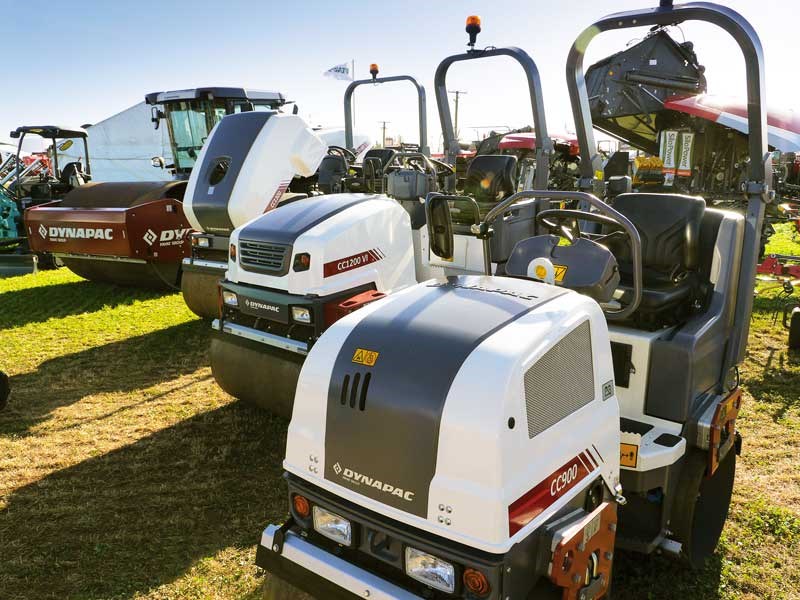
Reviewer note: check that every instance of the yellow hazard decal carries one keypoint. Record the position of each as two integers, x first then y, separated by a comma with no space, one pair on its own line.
628,455
367,358
560,271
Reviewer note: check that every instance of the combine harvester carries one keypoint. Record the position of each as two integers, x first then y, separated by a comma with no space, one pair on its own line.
502,437
27,181
136,233
296,271
251,164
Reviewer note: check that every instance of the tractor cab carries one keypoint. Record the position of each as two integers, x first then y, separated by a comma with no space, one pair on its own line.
43,178
191,114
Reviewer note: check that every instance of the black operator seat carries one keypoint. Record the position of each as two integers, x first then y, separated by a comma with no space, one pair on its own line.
384,155
332,170
490,179
669,227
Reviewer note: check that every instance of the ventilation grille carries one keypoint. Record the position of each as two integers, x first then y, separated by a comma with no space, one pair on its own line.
261,256
560,382
354,390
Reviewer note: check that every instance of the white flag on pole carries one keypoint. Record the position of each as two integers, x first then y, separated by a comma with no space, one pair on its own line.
341,71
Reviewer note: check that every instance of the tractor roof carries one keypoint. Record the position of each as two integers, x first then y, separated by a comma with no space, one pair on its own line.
50,131
209,93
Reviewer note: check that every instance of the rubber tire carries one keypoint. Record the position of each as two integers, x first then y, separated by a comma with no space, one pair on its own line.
278,589
262,376
794,330
200,292
700,507
153,276
5,390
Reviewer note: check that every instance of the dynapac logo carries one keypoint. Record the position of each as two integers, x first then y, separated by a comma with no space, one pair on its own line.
359,479
63,234
168,237
255,304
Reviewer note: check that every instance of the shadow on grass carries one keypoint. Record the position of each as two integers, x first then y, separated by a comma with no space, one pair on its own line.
131,364
652,577
38,304
141,516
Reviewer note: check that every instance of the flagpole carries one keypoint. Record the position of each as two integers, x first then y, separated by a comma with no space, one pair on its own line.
353,78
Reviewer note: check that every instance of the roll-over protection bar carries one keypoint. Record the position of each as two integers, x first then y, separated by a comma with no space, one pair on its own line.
544,146
421,104
757,188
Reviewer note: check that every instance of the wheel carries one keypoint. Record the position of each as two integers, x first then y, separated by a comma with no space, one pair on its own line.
700,507
5,390
200,293
256,374
794,330
279,589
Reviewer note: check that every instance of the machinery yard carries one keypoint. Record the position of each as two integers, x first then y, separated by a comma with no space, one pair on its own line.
516,355
127,473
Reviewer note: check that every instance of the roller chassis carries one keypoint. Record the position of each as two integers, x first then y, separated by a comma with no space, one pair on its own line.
671,480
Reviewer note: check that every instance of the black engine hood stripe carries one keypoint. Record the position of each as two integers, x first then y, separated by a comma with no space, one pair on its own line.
285,225
388,450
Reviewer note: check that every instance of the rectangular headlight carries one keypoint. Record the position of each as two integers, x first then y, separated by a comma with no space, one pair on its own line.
230,298
203,242
332,526
430,570
301,314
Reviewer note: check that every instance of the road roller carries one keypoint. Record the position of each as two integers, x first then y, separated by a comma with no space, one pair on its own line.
295,271
136,233
502,436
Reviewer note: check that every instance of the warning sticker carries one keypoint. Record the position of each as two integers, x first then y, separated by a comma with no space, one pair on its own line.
367,358
560,271
628,455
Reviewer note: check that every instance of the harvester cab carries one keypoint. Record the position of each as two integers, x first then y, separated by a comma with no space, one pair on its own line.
501,437
39,180
136,233
297,270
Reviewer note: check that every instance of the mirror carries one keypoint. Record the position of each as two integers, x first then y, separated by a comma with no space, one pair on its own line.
156,115
440,226
465,211
65,145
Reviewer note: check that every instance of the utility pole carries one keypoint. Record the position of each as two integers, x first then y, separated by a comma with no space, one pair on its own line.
383,128
457,93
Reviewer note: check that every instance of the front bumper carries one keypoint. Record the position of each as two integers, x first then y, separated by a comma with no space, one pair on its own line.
320,573
260,337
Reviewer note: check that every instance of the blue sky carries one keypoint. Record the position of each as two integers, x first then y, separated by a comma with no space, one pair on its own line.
86,60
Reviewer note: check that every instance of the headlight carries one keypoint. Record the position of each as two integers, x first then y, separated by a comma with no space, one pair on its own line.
203,242
332,526
430,570
230,298
301,314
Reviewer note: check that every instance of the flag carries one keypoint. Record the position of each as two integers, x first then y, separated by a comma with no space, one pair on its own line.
341,71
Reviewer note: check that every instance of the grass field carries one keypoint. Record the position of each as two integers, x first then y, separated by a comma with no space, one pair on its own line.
125,472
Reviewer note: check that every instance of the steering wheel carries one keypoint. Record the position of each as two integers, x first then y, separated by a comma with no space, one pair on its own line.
556,219
442,168
344,152
606,215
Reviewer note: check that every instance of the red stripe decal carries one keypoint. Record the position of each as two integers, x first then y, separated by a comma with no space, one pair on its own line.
590,459
600,456
276,197
349,263
534,502
586,464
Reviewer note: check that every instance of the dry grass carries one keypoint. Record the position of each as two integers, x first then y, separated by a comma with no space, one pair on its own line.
126,473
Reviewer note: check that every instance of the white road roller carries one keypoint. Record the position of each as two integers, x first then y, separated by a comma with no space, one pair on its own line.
251,163
294,272
486,437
